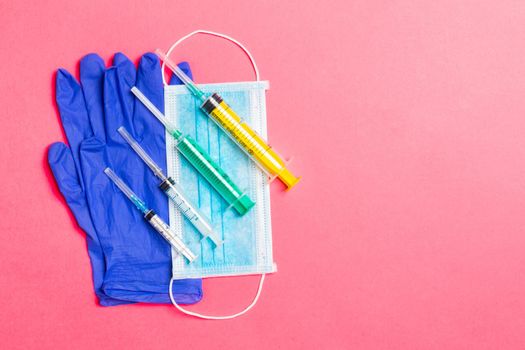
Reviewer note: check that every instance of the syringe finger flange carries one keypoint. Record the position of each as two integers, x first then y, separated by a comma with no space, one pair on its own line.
242,204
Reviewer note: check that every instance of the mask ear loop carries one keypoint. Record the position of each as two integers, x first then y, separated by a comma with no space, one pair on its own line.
207,32
256,70
207,317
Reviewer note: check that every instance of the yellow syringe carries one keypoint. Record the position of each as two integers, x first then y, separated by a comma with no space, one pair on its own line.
240,132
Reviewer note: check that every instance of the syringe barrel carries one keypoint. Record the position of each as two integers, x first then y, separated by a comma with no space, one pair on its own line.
248,140
161,227
199,159
194,216
219,180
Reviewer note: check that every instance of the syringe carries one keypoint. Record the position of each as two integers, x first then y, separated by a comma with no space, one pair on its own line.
153,219
173,191
239,131
201,161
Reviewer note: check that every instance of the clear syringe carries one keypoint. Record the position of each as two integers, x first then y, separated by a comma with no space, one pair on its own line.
201,161
173,191
239,131
153,219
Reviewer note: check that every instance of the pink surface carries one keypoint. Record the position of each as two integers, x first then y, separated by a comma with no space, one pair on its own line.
407,230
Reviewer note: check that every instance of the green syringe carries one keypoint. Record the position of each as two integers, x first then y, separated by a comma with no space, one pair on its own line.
201,160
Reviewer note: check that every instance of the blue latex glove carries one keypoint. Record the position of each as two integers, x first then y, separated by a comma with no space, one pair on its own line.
130,261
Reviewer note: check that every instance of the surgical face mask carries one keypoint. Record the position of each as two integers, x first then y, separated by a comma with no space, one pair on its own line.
247,247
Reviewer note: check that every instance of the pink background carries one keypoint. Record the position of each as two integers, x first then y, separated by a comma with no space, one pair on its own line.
407,123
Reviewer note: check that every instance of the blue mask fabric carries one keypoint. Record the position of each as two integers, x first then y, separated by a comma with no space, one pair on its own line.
247,247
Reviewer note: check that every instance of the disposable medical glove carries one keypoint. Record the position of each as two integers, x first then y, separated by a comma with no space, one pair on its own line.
130,261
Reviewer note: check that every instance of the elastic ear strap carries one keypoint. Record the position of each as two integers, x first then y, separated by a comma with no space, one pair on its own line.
254,301
223,36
